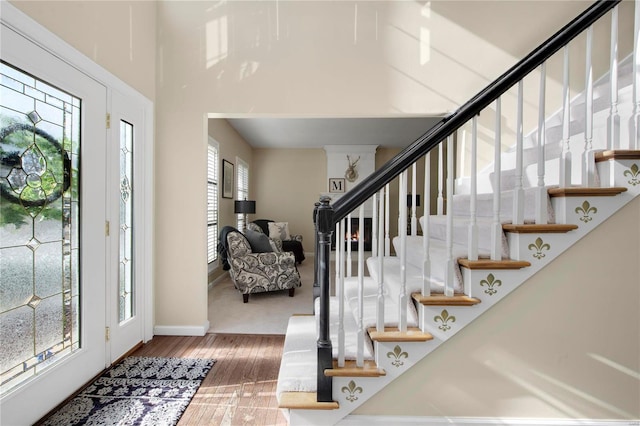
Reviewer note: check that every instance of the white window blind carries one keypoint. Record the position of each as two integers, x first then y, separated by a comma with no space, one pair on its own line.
242,191
212,202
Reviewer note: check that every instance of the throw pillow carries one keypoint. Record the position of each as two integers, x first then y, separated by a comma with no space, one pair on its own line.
279,230
258,241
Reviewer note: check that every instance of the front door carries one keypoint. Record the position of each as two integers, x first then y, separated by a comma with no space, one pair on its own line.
52,229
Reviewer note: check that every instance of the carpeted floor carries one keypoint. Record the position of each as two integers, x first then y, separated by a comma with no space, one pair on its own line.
265,313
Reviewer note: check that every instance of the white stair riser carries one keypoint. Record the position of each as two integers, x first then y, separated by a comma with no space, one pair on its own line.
442,322
586,212
491,285
538,249
395,358
624,173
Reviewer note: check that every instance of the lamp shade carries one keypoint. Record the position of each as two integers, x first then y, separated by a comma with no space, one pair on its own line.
245,207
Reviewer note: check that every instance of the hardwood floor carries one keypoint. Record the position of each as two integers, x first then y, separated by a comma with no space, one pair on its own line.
240,389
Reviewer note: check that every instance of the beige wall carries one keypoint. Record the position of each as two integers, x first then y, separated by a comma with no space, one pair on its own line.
118,35
563,345
287,183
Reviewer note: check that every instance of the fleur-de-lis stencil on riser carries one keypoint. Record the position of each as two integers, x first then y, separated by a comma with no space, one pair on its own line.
490,283
633,173
444,318
539,246
398,355
585,210
351,390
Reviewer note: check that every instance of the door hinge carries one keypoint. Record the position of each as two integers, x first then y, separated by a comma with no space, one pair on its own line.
107,334
106,228
108,120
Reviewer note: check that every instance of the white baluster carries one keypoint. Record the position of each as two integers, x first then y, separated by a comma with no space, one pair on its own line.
402,297
613,121
541,200
518,191
440,210
360,339
587,167
374,225
496,230
347,237
448,286
565,158
340,291
414,196
473,194
380,308
426,243
387,239
634,121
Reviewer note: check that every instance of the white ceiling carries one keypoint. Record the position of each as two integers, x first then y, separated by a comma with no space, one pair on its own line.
389,132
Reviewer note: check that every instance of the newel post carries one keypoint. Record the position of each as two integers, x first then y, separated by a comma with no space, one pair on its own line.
324,230
316,278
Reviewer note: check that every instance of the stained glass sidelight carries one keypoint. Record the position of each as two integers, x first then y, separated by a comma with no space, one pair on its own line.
125,304
39,216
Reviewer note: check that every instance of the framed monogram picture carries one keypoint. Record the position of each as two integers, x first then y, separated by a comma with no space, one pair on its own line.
337,185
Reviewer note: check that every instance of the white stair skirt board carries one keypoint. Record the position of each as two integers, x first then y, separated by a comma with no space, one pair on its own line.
355,420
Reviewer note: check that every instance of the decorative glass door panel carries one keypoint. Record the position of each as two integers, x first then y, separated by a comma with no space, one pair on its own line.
39,222
126,304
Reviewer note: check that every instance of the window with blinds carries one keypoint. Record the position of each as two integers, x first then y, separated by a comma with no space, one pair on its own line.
212,202
242,187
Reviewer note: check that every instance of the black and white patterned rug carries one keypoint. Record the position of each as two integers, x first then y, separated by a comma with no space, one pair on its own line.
136,391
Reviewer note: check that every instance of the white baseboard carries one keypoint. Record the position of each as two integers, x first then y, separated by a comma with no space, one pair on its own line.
355,420
181,330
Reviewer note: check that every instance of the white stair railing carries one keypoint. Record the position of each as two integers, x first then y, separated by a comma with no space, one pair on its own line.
449,285
613,122
426,241
496,228
340,228
380,265
587,169
518,191
402,230
361,330
565,158
541,193
473,190
414,202
440,199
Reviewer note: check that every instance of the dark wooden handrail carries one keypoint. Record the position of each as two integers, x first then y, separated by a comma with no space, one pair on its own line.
448,125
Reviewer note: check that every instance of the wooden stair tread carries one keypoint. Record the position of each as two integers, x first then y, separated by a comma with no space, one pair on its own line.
585,191
493,264
534,228
305,401
392,334
442,300
350,369
617,154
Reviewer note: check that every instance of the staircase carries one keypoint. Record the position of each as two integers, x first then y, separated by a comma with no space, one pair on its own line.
501,226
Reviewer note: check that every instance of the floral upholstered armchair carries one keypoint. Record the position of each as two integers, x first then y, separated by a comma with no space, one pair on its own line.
258,266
